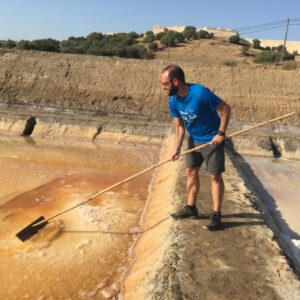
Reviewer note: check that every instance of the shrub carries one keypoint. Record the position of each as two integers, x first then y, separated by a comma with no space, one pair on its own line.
8,44
288,56
203,34
230,63
256,44
295,53
50,45
234,39
266,56
271,56
153,46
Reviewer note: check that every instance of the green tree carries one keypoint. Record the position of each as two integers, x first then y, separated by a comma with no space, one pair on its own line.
50,45
23,45
75,45
133,35
150,37
190,32
95,36
160,35
179,37
168,39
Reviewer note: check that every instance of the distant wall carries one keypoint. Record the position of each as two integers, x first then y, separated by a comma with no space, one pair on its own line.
291,46
220,32
217,31
159,28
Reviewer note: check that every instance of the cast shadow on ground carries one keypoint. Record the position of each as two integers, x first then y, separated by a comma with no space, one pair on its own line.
236,222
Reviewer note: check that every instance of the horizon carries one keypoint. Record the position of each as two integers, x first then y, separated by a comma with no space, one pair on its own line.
32,19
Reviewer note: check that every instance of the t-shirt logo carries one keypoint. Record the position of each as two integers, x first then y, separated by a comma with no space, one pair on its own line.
188,115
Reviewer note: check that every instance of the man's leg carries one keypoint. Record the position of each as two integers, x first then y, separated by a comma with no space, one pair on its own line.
215,166
217,189
192,185
192,181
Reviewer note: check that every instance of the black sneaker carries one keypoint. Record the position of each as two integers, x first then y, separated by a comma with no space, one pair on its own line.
214,221
186,213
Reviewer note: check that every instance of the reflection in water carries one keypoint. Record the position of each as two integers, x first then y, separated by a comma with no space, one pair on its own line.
70,253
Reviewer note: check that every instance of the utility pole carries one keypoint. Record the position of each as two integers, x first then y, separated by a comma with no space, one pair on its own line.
286,33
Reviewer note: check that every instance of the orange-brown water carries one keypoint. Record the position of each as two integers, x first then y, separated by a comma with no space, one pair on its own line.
80,254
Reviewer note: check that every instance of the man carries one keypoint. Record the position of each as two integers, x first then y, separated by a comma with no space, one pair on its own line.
205,117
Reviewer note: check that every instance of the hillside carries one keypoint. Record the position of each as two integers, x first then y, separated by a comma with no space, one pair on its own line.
131,87
207,51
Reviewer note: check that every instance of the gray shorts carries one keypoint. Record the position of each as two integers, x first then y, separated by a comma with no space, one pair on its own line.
213,155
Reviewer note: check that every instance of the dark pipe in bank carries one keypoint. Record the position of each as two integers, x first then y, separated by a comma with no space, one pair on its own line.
29,127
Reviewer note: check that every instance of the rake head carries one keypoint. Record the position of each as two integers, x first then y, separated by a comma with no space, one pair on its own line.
27,232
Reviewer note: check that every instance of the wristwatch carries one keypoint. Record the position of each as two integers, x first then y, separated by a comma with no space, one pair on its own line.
221,133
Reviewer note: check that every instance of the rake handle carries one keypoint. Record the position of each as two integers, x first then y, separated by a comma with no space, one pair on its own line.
161,163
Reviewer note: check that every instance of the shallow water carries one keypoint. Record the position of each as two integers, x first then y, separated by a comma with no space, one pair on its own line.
80,254
277,183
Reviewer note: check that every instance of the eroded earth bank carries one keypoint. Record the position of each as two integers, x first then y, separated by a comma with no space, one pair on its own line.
92,100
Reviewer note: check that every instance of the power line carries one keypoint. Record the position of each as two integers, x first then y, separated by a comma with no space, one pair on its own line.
260,25
266,26
259,30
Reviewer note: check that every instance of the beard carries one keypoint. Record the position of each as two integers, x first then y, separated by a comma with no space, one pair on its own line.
173,91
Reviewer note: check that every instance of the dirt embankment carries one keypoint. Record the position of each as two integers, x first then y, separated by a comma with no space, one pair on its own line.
125,95
131,87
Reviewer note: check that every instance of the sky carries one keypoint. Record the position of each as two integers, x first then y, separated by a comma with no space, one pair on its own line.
60,19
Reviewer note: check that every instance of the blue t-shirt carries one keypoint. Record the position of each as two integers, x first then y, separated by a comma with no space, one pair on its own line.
198,111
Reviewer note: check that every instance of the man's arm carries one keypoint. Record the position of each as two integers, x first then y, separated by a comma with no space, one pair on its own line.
224,110
179,137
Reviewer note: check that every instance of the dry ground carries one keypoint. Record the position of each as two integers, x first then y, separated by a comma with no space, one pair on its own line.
216,51
241,261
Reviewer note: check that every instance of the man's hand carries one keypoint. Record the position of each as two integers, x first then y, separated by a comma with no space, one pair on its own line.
218,139
176,156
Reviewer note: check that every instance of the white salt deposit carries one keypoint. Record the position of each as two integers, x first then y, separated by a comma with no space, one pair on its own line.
108,293
135,230
83,243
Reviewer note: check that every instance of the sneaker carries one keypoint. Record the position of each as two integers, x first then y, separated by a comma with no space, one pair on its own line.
214,221
186,213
